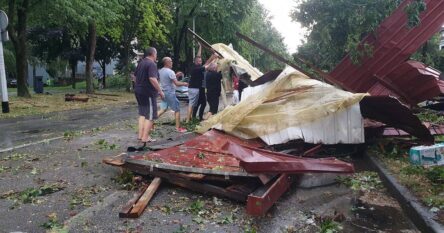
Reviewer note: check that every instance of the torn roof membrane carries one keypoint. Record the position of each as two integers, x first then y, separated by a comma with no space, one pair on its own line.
233,58
393,43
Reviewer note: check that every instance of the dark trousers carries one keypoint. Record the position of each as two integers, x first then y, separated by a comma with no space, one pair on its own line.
213,101
201,104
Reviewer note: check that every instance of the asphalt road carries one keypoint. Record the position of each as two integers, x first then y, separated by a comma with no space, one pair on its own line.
89,199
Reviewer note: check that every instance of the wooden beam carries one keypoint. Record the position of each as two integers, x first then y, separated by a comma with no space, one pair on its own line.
204,43
124,213
142,203
286,61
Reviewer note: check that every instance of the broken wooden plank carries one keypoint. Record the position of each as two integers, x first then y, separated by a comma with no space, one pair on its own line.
142,203
124,213
115,160
259,202
187,184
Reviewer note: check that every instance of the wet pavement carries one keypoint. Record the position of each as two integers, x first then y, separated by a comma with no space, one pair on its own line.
21,130
89,200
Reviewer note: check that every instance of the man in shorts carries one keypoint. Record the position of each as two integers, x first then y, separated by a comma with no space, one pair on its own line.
168,82
147,89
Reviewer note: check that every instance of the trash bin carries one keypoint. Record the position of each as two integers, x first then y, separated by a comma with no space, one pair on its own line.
38,84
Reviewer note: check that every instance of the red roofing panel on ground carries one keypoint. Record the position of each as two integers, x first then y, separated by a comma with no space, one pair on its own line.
213,151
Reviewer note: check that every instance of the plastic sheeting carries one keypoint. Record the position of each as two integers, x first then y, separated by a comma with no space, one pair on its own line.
293,107
231,57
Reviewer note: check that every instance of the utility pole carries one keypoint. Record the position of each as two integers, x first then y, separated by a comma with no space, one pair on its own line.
4,37
194,43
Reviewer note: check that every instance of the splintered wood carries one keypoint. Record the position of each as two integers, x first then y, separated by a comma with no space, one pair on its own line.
135,207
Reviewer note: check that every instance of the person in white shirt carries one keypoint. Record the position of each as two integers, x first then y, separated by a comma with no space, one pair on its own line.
168,83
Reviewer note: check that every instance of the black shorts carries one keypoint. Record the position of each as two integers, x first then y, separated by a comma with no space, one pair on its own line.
147,105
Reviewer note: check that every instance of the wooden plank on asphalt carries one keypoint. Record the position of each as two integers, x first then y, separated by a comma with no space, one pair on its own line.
124,213
142,203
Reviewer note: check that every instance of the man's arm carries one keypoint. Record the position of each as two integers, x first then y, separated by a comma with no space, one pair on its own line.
211,59
199,51
155,83
179,83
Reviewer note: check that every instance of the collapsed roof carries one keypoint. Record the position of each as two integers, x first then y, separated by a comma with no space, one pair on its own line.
388,72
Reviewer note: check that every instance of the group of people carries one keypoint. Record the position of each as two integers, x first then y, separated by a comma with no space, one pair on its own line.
149,83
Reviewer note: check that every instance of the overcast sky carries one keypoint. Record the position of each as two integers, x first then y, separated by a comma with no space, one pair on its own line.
292,32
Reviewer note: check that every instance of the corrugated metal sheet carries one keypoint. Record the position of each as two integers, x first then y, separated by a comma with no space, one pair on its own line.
393,44
419,81
218,153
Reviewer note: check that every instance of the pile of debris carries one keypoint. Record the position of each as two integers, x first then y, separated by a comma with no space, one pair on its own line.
252,152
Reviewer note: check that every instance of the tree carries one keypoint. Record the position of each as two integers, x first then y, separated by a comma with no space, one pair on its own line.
19,12
216,21
337,27
142,21
257,25
106,50
93,17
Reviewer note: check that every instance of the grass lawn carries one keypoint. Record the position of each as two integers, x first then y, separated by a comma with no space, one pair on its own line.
47,103
426,183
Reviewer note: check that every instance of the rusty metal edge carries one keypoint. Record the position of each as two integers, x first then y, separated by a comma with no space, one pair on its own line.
167,166
269,198
418,214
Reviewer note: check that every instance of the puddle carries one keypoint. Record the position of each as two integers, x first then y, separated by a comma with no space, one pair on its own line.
374,218
34,131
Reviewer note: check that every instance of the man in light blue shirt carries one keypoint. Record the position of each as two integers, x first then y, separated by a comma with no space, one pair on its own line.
168,83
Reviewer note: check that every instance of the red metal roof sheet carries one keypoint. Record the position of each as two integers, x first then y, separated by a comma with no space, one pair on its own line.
213,153
393,43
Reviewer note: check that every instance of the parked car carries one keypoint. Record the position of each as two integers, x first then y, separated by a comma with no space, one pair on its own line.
182,93
12,82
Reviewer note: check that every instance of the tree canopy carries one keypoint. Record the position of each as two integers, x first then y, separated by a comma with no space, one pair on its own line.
337,27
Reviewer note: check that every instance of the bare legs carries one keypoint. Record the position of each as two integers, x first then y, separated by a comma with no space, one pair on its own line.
189,113
145,127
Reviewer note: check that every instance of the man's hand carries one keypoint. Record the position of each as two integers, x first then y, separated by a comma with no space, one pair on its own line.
162,95
179,74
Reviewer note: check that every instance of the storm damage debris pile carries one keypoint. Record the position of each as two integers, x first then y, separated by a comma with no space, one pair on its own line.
223,165
293,107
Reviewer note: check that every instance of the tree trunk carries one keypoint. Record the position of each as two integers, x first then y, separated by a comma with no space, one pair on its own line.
182,33
104,74
92,38
18,38
73,65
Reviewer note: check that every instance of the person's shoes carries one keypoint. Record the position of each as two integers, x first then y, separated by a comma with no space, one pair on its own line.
136,148
181,130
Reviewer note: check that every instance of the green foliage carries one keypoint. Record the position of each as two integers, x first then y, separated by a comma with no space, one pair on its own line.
413,10
436,175
196,207
337,27
257,25
53,223
116,81
192,125
30,195
125,180
104,145
329,226
430,116
362,181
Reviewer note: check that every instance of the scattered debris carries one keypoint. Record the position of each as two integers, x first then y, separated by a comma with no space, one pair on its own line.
73,97
30,195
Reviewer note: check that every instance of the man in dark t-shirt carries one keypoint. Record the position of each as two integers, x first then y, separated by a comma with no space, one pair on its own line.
196,91
214,81
147,89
